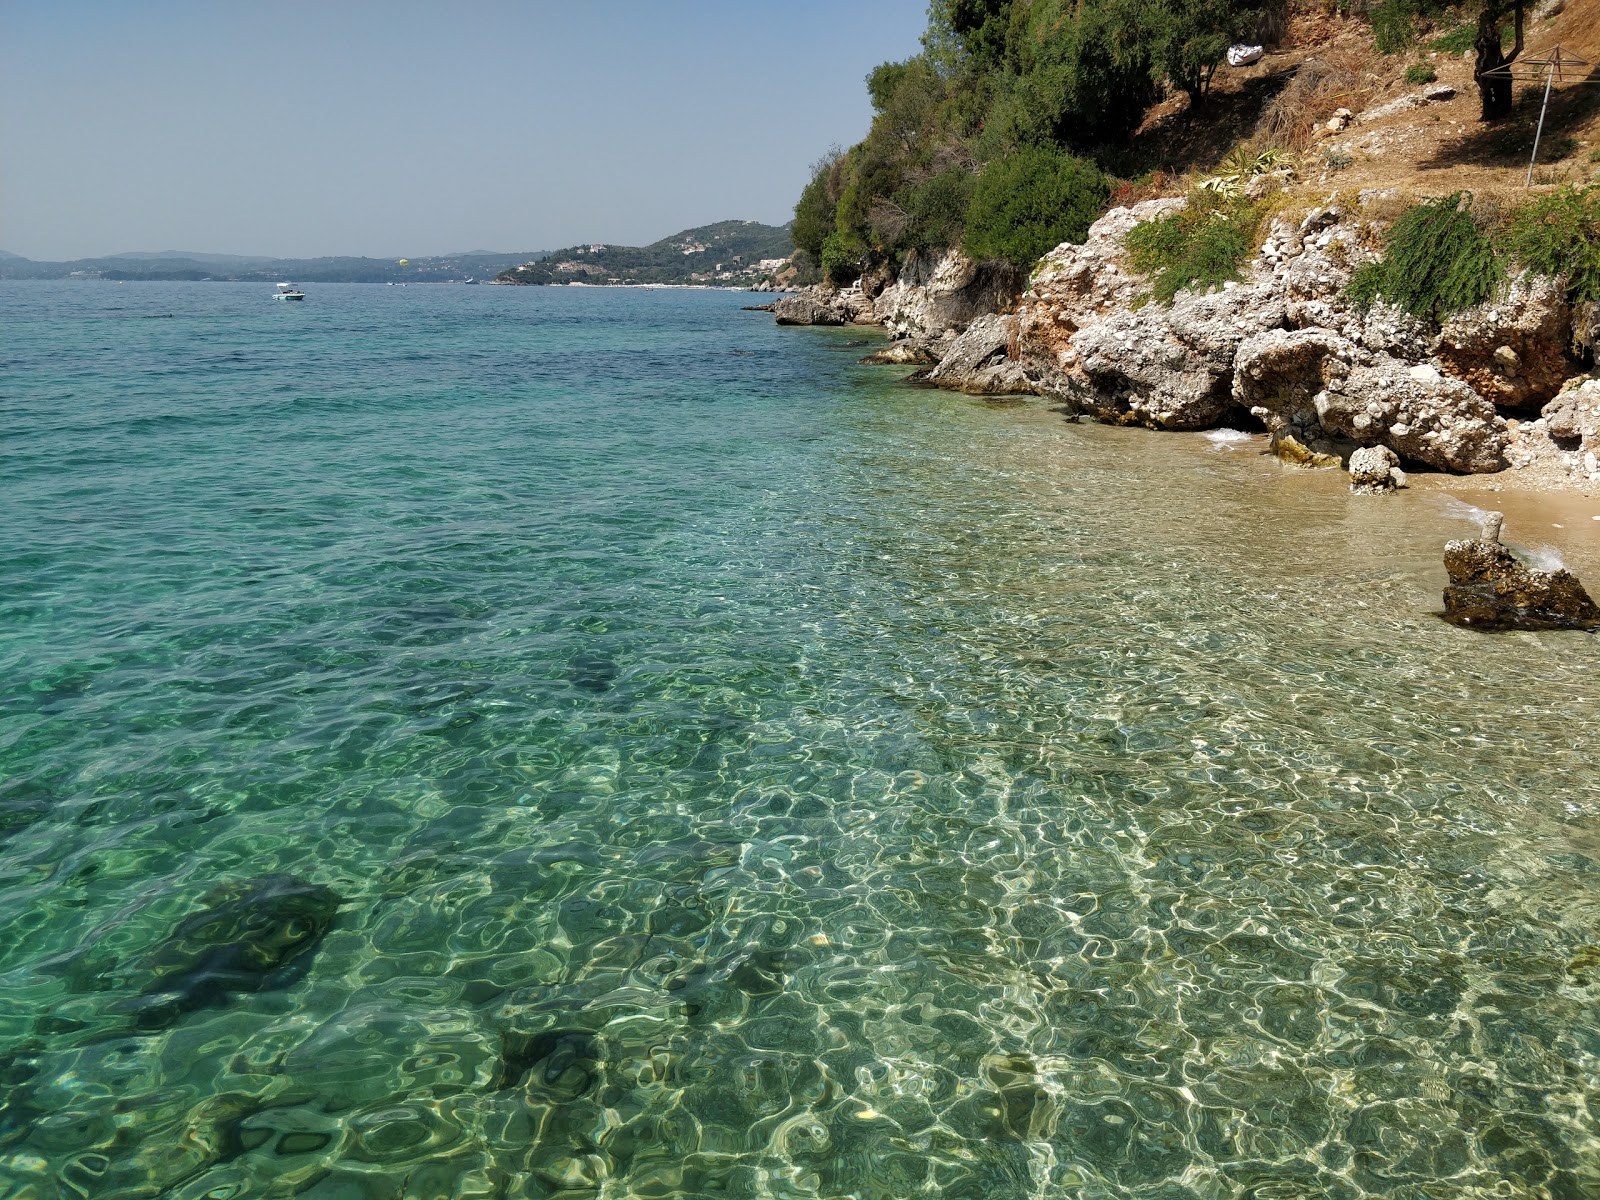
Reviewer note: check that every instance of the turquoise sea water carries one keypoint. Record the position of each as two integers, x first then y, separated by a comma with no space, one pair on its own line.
502,743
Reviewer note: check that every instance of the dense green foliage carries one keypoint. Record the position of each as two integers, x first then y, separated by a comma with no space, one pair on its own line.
1439,257
1458,41
1420,73
1001,88
1198,248
1559,235
1394,26
1437,260
1031,201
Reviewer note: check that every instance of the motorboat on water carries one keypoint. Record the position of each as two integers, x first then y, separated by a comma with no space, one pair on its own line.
288,291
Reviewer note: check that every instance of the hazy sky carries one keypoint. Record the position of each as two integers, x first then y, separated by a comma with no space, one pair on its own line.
392,127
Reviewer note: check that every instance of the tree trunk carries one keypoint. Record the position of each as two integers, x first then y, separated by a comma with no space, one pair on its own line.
1495,92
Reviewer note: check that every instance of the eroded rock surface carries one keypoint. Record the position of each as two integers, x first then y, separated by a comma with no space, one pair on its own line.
935,296
1512,350
1375,470
1168,368
1491,589
808,308
1314,386
980,361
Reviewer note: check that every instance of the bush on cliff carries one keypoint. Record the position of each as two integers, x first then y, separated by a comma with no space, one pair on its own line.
1198,248
1559,235
842,256
1028,202
1437,260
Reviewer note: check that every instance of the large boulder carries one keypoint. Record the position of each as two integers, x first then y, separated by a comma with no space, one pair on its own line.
1312,385
981,360
1168,368
1512,350
1491,589
933,295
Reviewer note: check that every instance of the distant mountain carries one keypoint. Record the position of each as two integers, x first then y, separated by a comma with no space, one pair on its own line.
5,254
188,265
220,260
727,252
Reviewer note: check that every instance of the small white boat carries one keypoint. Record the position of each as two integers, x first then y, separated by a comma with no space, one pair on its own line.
287,291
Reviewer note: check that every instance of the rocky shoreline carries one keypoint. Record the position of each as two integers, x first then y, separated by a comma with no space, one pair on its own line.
1498,390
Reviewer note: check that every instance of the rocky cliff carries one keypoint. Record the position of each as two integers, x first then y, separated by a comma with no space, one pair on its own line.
1495,387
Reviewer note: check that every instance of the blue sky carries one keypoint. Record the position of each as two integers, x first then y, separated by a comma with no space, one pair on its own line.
387,127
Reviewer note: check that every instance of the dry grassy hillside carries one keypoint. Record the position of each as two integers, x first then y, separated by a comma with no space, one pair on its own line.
1326,63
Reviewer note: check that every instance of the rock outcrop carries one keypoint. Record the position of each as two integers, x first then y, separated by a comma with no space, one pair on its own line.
932,297
1167,368
981,361
1491,589
1076,286
904,353
1325,376
1319,391
1512,350
809,308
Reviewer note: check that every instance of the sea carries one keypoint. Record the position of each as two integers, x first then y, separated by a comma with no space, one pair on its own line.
595,744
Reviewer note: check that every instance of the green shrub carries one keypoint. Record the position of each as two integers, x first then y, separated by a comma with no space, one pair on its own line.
1394,25
1559,235
1420,73
1030,201
1458,41
1436,261
1199,248
841,259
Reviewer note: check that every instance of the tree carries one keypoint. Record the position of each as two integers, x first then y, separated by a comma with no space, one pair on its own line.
819,201
1494,90
1188,39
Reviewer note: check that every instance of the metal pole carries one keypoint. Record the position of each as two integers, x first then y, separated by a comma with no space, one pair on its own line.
1552,68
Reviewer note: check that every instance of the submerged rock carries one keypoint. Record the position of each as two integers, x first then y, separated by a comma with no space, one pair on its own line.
250,937
564,1063
1491,589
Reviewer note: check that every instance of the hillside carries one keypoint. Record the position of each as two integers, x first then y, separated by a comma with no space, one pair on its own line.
727,252
1022,119
188,266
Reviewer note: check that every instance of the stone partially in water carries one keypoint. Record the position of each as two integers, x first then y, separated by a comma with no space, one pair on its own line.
1375,470
250,937
1490,589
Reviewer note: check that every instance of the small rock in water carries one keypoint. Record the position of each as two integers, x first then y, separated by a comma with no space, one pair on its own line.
1491,589
1375,470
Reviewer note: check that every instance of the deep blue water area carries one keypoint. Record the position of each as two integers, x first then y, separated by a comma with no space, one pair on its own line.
556,742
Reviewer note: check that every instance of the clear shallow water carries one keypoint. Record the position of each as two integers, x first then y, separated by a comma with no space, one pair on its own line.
741,775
